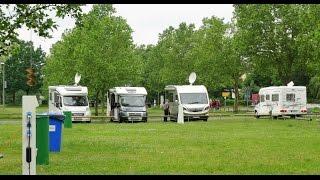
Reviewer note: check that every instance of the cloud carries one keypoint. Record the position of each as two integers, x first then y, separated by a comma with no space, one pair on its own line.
146,20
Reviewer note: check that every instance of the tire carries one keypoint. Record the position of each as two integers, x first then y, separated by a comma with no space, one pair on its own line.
174,118
256,115
145,120
205,119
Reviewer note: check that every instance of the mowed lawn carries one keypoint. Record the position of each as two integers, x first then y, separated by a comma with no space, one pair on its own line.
229,145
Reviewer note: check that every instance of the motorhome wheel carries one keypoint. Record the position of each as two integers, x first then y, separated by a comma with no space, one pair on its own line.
256,114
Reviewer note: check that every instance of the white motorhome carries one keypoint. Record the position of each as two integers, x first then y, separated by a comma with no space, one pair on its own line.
127,104
193,98
282,101
70,98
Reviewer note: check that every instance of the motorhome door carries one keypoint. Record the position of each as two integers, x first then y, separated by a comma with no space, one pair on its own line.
57,103
171,96
264,105
113,106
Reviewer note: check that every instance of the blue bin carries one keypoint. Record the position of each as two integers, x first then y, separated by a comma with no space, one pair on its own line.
55,132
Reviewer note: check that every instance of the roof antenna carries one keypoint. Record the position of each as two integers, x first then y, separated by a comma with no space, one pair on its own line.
290,84
192,78
77,78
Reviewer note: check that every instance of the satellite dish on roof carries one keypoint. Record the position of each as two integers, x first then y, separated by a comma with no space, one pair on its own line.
77,78
290,84
192,78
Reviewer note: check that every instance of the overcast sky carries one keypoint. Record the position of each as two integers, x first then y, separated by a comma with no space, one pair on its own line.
146,20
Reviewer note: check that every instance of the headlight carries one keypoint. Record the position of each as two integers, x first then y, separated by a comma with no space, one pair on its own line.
207,108
123,113
184,108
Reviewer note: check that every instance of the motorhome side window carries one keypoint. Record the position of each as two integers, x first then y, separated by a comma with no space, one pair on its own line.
290,97
75,101
268,97
261,98
275,97
170,97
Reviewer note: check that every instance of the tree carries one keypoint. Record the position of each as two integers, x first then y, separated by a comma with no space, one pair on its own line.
208,54
314,87
23,56
33,16
183,50
235,63
101,50
274,35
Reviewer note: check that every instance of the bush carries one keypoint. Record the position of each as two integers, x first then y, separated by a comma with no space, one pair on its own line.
315,110
230,102
19,95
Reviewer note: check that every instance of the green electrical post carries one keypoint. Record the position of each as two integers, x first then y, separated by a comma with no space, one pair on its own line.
67,120
42,139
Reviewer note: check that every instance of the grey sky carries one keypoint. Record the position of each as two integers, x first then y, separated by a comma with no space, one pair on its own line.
146,20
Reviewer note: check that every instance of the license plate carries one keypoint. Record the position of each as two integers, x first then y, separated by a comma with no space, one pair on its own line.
135,118
78,114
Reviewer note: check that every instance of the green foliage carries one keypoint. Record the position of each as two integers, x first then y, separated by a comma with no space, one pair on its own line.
314,87
33,16
277,39
101,50
183,50
24,55
270,44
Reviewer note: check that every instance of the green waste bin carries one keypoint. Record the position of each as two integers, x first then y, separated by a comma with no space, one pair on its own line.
67,121
42,139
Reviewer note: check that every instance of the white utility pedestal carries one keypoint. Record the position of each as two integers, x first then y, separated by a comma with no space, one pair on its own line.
180,114
29,104
116,114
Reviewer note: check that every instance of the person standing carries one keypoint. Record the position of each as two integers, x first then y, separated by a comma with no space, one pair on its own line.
166,110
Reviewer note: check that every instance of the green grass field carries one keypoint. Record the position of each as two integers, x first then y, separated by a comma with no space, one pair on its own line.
229,145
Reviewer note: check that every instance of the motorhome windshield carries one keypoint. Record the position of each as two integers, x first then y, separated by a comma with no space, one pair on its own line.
132,101
75,101
193,98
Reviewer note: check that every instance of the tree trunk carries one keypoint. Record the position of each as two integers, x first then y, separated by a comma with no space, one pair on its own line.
158,101
236,93
14,97
96,103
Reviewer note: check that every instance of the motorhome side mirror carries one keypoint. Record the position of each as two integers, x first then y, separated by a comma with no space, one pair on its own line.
57,104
